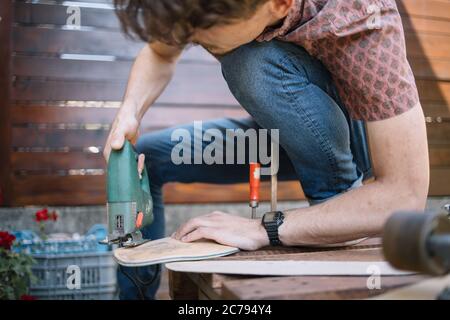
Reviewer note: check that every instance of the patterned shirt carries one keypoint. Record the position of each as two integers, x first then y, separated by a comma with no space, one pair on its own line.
362,44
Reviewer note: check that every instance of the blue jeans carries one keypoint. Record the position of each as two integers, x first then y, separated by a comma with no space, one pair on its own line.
282,87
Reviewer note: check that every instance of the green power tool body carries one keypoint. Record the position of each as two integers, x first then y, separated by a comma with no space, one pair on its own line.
130,206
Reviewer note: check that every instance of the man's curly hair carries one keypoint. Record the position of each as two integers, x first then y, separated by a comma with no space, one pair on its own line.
174,21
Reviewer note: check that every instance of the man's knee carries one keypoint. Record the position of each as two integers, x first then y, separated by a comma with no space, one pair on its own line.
254,70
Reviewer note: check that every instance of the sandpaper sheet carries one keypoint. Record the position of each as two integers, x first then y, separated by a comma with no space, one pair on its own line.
170,250
288,268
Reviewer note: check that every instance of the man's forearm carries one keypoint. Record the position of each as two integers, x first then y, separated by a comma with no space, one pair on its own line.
356,214
149,76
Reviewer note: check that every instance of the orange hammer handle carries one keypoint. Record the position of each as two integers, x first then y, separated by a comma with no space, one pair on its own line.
255,179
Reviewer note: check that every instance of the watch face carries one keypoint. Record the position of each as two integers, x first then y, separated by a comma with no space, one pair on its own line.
269,217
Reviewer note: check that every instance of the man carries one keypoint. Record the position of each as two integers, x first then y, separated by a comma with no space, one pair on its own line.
323,72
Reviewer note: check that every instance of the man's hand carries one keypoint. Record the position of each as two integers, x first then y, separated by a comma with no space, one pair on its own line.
235,231
125,126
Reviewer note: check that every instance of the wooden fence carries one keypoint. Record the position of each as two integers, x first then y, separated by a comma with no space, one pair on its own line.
60,88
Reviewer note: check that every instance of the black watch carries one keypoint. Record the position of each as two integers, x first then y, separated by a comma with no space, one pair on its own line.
271,222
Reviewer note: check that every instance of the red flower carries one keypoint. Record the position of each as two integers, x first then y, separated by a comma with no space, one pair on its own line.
42,215
54,216
27,297
6,240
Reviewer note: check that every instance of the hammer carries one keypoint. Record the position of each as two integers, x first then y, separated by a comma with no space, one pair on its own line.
255,179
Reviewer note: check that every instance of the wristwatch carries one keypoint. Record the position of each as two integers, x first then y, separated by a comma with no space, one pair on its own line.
271,222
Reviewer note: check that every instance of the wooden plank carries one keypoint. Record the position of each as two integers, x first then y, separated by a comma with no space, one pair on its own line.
425,8
81,138
182,287
54,115
215,280
6,12
56,190
45,67
32,40
56,14
54,138
435,91
57,41
428,45
206,292
58,161
101,42
104,2
159,116
284,267
48,67
439,185
431,69
27,161
204,87
438,132
90,190
195,84
34,161
367,250
413,24
67,69
432,109
310,288
60,91
427,289
195,192
439,155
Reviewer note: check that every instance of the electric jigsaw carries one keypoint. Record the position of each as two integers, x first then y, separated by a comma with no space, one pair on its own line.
129,206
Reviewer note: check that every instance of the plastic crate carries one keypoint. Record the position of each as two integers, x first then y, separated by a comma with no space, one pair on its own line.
29,242
54,257
97,271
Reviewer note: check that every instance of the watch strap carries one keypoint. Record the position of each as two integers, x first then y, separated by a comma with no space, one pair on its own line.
272,225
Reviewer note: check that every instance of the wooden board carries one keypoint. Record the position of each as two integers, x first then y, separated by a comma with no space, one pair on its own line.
310,288
287,268
194,84
90,190
219,286
5,108
169,250
56,14
425,8
424,290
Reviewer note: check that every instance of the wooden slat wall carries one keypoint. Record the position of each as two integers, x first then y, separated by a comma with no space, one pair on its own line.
59,108
5,83
427,28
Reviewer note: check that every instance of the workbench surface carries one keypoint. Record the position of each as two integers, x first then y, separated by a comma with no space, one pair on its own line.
193,286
